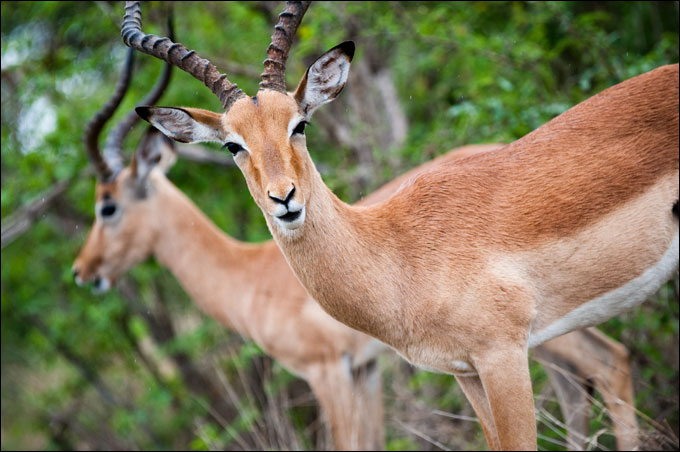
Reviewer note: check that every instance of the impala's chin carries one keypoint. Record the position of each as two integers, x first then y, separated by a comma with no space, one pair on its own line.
101,285
290,220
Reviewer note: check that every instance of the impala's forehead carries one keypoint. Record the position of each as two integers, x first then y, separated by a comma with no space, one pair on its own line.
112,190
269,111
104,191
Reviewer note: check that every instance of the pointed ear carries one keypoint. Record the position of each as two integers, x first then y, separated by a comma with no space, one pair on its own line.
155,150
187,125
325,78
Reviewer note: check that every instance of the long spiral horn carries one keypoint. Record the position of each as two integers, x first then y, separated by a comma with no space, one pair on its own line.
178,55
113,149
96,124
274,73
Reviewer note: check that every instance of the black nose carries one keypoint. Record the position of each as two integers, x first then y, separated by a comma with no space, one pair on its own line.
97,282
75,272
289,196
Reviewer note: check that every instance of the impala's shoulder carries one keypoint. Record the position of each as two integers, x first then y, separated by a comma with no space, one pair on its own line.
669,70
660,80
662,74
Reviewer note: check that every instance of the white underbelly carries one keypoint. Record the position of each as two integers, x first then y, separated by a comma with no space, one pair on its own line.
613,302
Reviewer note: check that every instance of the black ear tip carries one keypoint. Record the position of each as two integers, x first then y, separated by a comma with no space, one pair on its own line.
348,47
143,112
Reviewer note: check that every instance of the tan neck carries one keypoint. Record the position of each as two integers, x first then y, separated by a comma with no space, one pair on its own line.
333,235
212,267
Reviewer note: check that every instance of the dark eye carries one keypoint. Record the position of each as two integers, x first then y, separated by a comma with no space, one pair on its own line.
108,210
300,128
233,147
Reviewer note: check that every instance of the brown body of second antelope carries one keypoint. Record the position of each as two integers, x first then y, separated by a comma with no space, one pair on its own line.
470,264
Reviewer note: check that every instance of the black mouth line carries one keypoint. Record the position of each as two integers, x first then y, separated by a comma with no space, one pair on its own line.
290,216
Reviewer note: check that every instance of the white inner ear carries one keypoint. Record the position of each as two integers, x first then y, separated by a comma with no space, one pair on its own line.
179,125
325,78
330,70
173,118
202,133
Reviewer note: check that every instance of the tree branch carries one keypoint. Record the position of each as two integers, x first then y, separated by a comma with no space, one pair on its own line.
163,331
87,372
23,218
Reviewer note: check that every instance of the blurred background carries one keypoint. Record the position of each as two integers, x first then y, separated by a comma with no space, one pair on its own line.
134,368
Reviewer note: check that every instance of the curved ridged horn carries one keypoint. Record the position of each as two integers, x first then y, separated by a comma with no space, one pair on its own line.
113,149
178,55
93,129
274,75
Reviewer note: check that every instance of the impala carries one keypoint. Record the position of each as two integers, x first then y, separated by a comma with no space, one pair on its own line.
110,251
470,264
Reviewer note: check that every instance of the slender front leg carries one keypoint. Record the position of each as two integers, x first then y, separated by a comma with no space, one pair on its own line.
504,373
474,391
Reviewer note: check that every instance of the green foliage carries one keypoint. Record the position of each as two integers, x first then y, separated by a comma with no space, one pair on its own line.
464,72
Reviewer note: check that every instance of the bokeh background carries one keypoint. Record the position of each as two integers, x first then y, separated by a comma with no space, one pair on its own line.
131,369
